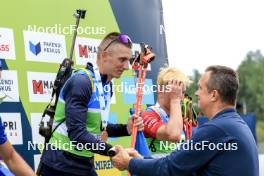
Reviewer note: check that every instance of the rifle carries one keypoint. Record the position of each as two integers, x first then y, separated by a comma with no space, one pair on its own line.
64,72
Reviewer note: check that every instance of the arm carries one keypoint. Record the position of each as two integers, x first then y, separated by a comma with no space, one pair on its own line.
187,159
152,123
77,93
182,161
173,129
118,130
14,162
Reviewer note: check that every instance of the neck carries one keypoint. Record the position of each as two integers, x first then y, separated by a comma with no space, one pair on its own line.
163,107
102,70
108,79
218,108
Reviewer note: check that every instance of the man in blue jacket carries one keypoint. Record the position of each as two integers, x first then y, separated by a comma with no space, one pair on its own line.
223,146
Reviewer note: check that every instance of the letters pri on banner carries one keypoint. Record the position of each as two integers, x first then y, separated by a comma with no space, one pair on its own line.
13,127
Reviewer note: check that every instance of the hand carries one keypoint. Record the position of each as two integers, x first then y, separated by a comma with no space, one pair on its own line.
175,90
133,153
121,159
137,122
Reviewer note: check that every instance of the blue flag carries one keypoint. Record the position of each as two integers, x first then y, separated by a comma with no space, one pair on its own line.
142,145
141,142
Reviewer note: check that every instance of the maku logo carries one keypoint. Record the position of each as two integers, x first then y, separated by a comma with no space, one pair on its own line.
85,50
35,49
41,86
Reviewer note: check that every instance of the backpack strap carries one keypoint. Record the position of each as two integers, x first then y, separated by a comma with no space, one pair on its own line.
88,73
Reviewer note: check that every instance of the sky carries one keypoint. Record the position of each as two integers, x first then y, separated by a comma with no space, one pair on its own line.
200,33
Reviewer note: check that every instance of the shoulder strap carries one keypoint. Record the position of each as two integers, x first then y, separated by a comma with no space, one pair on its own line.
88,73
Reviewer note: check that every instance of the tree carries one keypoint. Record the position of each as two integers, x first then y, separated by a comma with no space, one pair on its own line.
251,76
193,87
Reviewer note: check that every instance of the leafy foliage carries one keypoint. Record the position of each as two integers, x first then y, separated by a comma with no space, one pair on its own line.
251,76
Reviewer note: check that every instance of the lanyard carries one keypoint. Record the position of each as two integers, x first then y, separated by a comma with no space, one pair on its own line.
104,101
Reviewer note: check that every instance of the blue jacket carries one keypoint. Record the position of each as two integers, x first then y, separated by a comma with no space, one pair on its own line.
229,149
77,92
3,137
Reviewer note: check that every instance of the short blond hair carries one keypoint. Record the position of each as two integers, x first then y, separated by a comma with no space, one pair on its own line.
170,73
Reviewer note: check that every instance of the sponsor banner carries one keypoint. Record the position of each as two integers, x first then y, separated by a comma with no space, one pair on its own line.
9,86
40,86
128,88
7,46
44,47
104,166
86,50
13,127
35,120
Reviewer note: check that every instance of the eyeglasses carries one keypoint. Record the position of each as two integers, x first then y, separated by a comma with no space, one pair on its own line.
122,38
